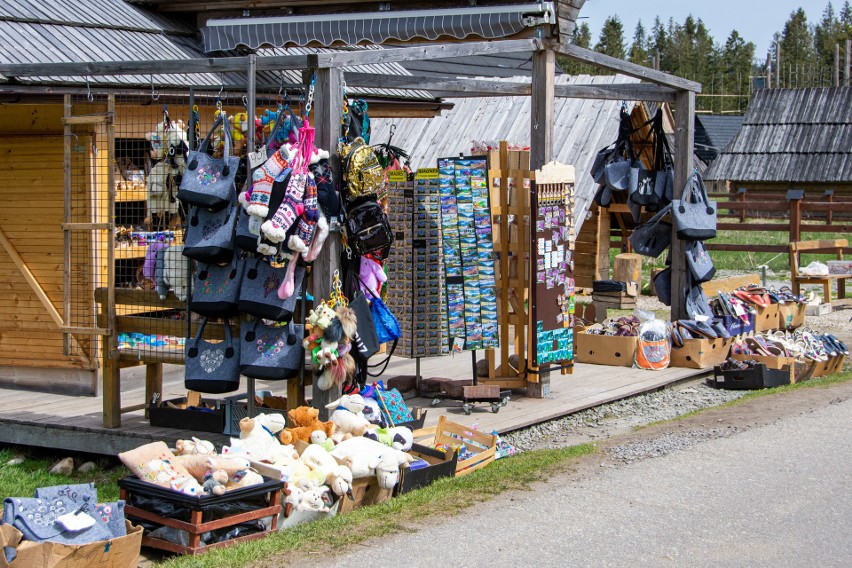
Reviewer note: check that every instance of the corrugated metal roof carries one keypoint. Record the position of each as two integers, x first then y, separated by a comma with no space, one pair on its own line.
791,135
713,133
109,13
581,128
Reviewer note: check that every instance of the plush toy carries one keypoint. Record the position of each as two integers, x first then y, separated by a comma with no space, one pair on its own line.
244,478
168,145
399,437
372,276
330,342
366,457
294,495
312,500
214,482
194,446
258,440
373,412
174,272
321,439
305,421
198,465
347,415
337,477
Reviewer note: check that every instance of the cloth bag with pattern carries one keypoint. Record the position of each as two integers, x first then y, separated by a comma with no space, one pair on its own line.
271,352
259,290
210,182
212,367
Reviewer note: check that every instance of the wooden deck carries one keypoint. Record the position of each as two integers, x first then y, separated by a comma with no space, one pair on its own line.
75,423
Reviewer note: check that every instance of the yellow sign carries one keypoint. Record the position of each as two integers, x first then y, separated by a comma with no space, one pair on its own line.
427,173
395,176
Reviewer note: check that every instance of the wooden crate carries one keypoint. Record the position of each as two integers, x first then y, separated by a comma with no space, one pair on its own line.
483,446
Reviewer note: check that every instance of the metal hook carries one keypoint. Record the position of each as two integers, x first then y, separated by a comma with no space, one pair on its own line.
89,94
245,102
154,94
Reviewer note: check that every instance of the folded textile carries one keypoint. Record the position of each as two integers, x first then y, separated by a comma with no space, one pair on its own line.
609,286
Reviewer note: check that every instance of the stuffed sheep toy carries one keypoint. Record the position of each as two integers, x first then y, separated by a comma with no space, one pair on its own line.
337,477
348,416
367,458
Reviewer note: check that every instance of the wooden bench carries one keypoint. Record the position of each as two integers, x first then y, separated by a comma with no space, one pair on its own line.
818,247
141,311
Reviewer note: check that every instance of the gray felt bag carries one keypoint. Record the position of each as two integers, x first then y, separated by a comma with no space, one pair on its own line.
271,352
216,288
210,182
699,261
210,234
694,214
37,519
654,236
259,290
212,367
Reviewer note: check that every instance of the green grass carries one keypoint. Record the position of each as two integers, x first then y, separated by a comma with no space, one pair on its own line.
821,382
22,480
445,497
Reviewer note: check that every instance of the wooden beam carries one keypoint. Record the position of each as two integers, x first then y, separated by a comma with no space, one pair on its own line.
419,53
684,141
625,67
462,88
541,124
21,265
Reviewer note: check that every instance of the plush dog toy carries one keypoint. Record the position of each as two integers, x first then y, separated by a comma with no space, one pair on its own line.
194,446
258,440
337,477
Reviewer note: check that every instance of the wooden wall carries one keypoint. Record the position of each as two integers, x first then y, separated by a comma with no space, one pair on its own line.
591,253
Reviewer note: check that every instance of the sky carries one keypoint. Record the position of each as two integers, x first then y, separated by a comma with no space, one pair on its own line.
755,20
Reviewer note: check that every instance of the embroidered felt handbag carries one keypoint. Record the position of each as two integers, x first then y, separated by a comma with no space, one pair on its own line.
697,303
699,261
694,215
259,290
210,234
212,367
79,493
210,182
271,352
41,519
216,288
654,236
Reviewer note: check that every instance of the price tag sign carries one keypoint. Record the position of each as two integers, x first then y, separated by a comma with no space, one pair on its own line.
256,159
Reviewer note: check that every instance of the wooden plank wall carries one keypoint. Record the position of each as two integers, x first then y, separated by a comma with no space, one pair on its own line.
591,255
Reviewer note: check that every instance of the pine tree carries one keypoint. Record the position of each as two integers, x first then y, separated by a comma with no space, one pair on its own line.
659,43
736,66
582,38
639,47
797,49
827,33
611,41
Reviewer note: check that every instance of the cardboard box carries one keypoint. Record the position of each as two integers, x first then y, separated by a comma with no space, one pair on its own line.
772,362
298,517
441,464
365,491
758,377
701,353
610,350
122,552
766,318
791,315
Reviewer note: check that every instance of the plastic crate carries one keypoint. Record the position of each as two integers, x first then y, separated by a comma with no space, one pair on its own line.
211,419
235,408
756,377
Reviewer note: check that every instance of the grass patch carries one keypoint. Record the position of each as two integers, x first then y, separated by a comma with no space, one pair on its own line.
445,497
821,382
22,480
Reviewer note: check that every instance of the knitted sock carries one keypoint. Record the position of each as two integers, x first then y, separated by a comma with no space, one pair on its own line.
288,212
327,196
319,239
262,180
307,221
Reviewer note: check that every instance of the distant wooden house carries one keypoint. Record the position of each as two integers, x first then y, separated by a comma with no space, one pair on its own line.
790,138
713,132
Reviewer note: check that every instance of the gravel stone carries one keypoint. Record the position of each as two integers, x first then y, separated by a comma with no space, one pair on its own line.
668,443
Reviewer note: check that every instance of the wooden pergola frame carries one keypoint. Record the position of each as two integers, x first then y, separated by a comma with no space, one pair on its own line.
328,67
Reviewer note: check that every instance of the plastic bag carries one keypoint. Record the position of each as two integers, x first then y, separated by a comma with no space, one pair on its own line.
654,347
815,269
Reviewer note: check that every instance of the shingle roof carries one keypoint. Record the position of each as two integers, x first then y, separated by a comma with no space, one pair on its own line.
713,133
791,135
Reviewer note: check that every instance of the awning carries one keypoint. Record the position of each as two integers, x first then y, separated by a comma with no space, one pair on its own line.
486,22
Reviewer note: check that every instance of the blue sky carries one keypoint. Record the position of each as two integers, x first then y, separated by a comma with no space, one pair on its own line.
755,20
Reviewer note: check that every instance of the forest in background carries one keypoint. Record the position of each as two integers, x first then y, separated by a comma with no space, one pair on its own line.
729,70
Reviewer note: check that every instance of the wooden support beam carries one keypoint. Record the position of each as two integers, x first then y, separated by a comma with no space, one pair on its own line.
437,51
327,107
684,141
462,88
625,67
541,126
22,267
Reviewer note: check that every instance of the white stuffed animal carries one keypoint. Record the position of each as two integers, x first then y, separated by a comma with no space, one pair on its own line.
312,500
194,446
373,412
258,441
337,477
398,437
348,416
367,457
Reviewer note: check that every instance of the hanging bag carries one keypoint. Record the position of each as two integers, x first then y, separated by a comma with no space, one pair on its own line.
366,341
654,236
368,229
259,290
210,182
271,352
697,303
663,286
694,214
212,367
700,263
216,288
210,234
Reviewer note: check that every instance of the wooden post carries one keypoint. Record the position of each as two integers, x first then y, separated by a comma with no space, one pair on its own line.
742,199
794,199
684,141
111,372
628,268
848,67
251,105
829,195
836,64
328,108
541,127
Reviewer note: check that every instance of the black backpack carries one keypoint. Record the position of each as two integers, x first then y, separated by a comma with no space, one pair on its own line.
368,229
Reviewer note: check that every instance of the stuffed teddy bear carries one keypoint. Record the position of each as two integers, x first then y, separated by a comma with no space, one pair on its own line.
214,482
399,437
372,276
312,500
366,457
305,420
348,416
194,446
